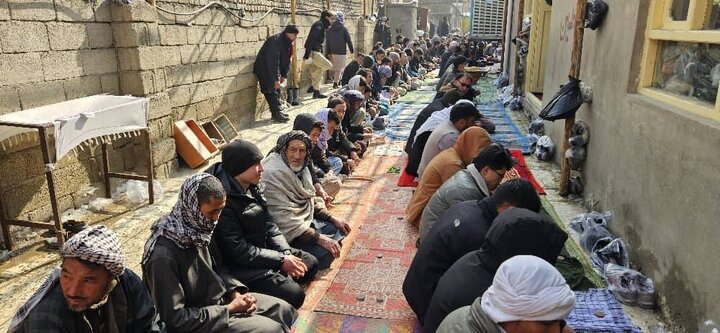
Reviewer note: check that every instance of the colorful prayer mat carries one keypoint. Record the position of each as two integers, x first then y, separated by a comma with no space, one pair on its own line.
597,311
320,322
506,132
524,172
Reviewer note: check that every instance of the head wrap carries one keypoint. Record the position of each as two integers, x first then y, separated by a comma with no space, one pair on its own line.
470,142
284,141
353,95
385,71
185,225
394,56
98,245
340,17
325,135
527,288
354,83
239,156
305,122
454,45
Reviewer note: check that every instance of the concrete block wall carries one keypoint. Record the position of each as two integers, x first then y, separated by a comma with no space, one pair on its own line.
189,66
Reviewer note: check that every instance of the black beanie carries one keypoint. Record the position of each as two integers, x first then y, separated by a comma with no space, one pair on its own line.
239,156
291,29
462,110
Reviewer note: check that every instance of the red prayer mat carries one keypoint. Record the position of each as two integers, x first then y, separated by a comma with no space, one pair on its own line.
524,172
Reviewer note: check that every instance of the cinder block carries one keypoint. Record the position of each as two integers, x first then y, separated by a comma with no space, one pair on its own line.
167,18
225,52
110,84
32,10
196,35
159,105
138,11
179,95
213,35
241,34
173,34
164,151
99,61
189,54
4,10
185,112
231,67
100,35
82,87
20,68
159,80
9,100
61,65
102,11
206,109
12,169
67,36
228,35
24,37
129,59
135,34
137,83
178,75
206,71
40,94
161,128
74,11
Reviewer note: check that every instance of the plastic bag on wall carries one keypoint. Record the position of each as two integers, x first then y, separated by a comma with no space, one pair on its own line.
576,157
537,127
592,219
595,12
545,148
592,235
580,134
630,286
609,251
502,81
565,103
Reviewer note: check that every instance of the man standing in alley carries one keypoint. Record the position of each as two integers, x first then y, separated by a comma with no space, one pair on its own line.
271,68
313,52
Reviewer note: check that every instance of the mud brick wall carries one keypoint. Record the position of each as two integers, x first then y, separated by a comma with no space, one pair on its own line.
189,66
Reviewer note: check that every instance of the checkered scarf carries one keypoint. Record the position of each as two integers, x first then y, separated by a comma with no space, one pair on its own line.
98,245
185,225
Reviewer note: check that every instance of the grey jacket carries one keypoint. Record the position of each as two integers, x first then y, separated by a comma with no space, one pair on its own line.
469,319
433,147
465,185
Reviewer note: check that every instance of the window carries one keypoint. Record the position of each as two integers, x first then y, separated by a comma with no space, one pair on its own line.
681,60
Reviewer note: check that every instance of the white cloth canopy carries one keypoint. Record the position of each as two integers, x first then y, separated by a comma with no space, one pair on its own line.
78,120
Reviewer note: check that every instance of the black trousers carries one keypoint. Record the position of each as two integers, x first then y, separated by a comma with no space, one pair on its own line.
416,153
272,96
279,285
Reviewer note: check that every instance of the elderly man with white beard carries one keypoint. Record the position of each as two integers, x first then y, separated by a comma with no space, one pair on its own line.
301,216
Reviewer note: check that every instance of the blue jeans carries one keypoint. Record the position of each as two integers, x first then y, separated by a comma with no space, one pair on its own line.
336,165
323,256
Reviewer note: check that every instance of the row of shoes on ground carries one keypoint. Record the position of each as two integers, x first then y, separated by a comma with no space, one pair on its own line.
630,287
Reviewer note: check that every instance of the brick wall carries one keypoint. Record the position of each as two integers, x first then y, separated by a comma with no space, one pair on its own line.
191,67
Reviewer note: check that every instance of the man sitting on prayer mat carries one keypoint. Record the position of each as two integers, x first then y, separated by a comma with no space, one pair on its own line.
91,291
527,295
516,231
461,229
246,241
292,203
191,294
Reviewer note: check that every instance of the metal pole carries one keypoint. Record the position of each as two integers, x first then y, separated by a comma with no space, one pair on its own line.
574,72
45,149
508,34
150,173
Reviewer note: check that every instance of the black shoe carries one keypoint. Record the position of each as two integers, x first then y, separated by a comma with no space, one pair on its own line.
318,95
310,90
280,118
295,103
335,85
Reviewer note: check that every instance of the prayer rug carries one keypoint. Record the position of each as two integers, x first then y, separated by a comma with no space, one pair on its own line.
524,172
407,180
597,310
506,132
320,322
369,282
401,119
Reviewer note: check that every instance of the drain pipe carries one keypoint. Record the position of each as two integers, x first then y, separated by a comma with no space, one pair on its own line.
508,35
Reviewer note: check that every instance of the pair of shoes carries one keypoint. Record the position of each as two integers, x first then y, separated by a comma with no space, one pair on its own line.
318,95
310,90
280,117
630,286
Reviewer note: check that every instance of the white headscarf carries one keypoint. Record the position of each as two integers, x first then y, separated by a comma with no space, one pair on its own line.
354,83
527,288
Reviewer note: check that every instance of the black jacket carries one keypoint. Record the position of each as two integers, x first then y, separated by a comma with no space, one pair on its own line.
315,38
354,132
338,38
447,241
340,146
516,231
246,241
350,70
273,60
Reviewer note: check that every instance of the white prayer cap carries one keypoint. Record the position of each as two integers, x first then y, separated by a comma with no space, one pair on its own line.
527,288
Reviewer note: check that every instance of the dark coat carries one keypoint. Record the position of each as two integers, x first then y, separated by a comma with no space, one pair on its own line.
338,40
315,38
245,240
340,146
516,231
350,70
273,61
354,132
133,310
443,29
461,229
424,115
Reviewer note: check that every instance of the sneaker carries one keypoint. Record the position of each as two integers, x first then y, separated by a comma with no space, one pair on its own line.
318,95
646,292
310,90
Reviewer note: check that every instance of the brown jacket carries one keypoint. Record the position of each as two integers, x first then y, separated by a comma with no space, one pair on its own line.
444,166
